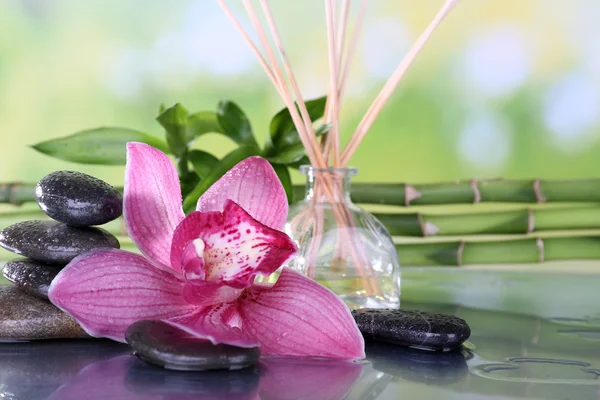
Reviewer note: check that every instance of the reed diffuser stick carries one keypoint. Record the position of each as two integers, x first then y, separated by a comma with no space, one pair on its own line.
299,122
390,86
352,48
253,47
333,137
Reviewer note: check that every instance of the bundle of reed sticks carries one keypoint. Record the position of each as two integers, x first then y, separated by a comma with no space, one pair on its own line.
328,152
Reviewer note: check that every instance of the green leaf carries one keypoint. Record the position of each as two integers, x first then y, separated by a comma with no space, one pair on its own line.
175,120
202,122
235,124
282,129
292,153
303,161
284,176
224,165
188,183
104,146
202,162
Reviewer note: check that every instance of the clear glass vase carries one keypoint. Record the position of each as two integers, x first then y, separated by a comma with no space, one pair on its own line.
342,246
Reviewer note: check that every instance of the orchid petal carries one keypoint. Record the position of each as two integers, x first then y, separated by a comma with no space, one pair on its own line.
106,290
290,379
235,247
297,317
219,324
151,201
254,185
203,293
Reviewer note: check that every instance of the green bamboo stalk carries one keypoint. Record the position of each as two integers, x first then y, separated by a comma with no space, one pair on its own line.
401,194
17,193
500,222
515,251
474,191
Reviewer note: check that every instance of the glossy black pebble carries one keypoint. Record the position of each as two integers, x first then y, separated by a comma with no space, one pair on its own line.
78,199
53,242
31,276
159,343
26,317
412,328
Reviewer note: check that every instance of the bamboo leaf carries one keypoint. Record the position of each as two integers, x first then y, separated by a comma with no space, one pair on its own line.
175,120
200,123
235,124
291,153
202,162
282,128
284,176
224,165
103,146
297,164
283,133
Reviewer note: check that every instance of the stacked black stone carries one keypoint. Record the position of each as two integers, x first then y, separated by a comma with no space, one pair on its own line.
77,203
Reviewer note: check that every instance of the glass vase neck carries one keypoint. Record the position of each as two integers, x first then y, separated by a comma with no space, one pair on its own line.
328,185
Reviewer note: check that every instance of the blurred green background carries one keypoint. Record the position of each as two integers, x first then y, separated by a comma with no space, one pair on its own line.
505,88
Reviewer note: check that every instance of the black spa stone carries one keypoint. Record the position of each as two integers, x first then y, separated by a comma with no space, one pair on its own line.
53,242
78,199
161,344
31,276
412,328
26,317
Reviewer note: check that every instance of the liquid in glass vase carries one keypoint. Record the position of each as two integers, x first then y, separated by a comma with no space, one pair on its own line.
342,246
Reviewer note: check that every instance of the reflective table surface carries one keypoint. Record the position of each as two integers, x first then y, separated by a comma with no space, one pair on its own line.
535,335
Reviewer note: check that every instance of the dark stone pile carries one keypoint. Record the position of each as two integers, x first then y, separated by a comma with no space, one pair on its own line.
76,202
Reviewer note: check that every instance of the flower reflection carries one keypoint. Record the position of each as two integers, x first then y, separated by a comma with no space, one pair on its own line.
126,377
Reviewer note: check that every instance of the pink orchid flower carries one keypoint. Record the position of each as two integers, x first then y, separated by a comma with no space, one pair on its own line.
197,271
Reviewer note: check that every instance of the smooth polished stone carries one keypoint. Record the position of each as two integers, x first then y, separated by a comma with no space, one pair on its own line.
31,276
412,328
54,242
25,317
159,343
78,199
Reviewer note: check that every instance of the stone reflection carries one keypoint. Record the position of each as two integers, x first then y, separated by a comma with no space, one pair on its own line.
431,367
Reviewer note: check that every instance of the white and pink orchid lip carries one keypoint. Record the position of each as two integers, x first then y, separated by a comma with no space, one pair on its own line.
229,247
198,271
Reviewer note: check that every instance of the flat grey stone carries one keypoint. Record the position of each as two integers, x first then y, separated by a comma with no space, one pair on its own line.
78,199
54,242
412,328
25,317
31,276
161,344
